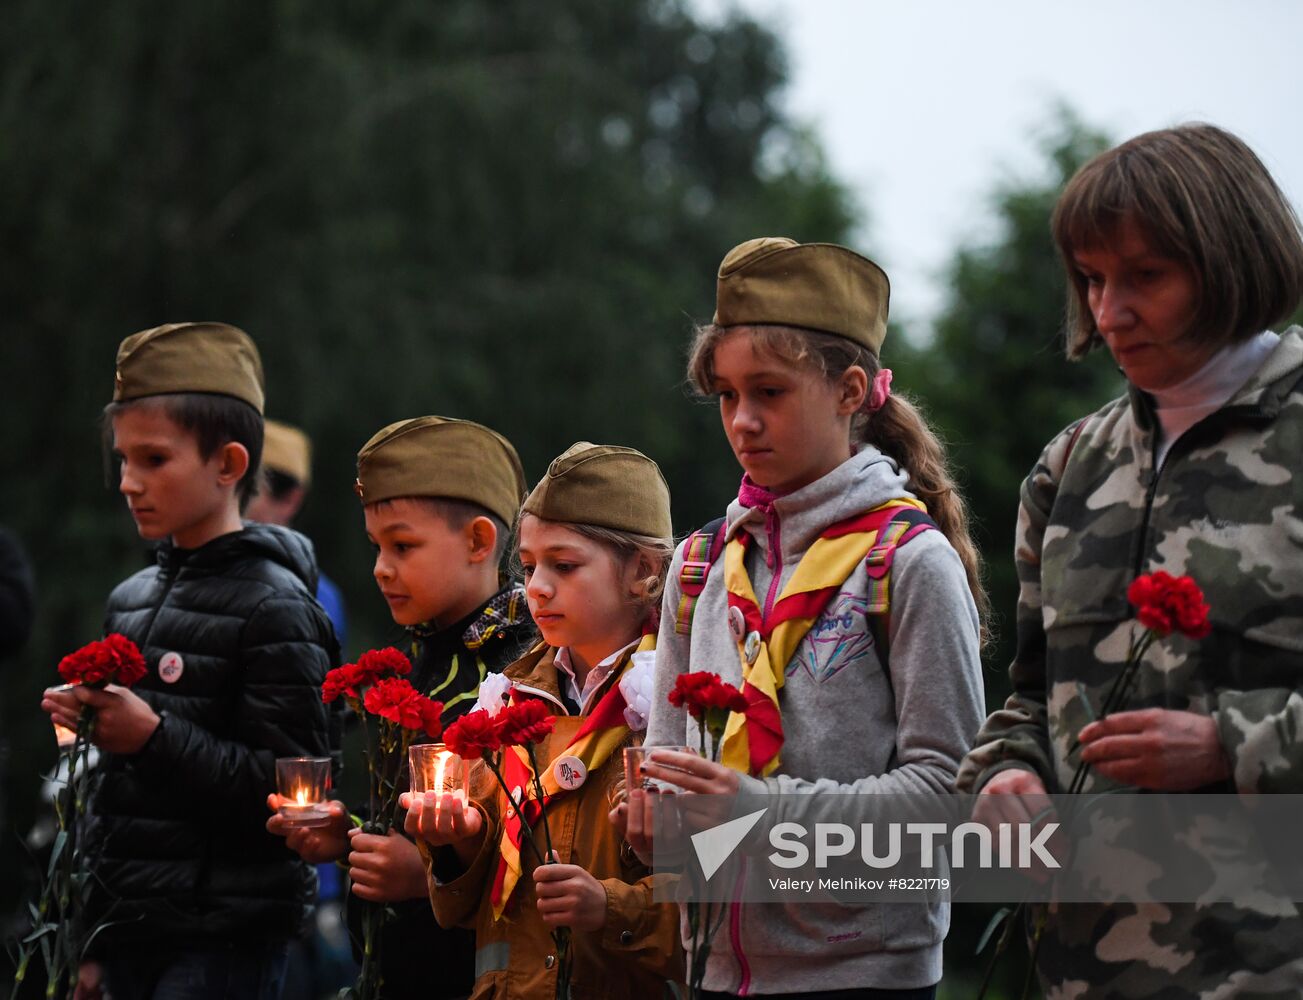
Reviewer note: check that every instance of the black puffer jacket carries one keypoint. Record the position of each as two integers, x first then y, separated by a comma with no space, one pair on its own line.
178,830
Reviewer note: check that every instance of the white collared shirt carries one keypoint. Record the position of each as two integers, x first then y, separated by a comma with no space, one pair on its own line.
596,676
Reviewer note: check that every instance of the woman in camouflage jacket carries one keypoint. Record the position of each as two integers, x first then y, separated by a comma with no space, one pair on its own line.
1180,250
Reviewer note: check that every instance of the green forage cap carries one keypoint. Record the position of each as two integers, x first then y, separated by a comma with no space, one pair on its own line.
818,286
606,486
287,450
189,357
442,457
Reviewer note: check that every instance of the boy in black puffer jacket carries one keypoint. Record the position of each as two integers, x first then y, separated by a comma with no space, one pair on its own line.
198,900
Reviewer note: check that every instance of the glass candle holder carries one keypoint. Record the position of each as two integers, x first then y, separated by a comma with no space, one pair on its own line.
304,787
635,757
435,768
64,736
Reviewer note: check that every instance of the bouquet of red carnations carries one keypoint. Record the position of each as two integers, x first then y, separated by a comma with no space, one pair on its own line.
376,685
58,928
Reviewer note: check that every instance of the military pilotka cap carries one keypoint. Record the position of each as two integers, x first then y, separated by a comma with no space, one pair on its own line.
606,486
442,457
189,357
287,450
818,286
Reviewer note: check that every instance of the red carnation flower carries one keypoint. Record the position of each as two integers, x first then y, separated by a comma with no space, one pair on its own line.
702,691
524,722
473,735
1165,603
431,717
115,659
395,699
340,682
377,663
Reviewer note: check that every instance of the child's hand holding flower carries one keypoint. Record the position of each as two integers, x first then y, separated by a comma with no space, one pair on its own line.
569,896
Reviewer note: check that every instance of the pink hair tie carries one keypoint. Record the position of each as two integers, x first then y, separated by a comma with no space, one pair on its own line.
878,391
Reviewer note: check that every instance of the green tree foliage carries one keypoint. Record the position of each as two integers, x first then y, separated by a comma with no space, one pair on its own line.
995,384
993,380
509,212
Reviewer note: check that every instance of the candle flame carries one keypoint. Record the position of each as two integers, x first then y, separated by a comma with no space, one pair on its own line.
301,797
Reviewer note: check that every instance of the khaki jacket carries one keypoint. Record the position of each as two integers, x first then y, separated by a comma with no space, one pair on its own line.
636,955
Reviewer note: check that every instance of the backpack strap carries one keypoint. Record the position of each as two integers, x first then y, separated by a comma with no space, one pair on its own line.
700,552
906,523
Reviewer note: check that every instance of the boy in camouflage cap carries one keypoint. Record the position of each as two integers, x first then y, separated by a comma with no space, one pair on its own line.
189,887
438,497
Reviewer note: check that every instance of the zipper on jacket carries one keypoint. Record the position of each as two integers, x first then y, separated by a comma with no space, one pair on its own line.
1156,470
735,932
169,575
776,548
775,539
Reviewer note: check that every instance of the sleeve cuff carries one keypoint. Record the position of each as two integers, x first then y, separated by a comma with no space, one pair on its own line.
626,907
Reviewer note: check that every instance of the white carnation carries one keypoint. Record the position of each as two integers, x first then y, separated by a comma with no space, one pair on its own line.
636,686
494,691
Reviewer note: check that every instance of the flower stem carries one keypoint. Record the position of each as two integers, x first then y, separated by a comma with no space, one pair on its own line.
512,803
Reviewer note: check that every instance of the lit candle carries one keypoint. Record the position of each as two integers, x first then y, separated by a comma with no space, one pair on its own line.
435,768
303,783
64,736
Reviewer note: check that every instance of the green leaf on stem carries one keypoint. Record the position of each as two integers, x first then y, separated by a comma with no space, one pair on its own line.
60,841
992,926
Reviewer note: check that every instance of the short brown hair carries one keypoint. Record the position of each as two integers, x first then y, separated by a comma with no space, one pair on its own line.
456,514
1200,196
215,420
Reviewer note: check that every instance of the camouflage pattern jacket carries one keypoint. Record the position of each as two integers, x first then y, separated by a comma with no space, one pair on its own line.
1095,513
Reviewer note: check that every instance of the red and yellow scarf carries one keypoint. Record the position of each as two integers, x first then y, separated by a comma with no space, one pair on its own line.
603,731
753,739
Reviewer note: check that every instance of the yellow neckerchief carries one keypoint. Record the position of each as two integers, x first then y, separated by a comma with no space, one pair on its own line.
753,739
604,730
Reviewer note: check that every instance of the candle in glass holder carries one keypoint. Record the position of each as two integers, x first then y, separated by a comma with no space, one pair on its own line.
634,758
435,768
304,784
64,736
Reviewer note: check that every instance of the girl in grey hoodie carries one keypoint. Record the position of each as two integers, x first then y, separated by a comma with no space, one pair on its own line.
792,357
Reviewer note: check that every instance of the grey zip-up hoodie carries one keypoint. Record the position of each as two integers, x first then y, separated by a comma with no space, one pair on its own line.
848,728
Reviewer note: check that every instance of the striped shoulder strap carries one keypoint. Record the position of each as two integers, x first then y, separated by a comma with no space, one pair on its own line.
701,551
905,523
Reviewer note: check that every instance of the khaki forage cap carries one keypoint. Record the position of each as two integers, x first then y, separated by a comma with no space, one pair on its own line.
818,286
606,486
287,450
442,457
190,357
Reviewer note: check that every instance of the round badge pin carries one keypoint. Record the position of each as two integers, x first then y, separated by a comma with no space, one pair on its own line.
737,623
751,649
570,772
170,668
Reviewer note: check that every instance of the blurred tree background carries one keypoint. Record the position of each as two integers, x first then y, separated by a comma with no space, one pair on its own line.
507,212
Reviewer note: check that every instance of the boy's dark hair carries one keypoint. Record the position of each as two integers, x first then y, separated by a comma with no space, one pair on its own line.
277,484
457,514
214,420
1200,196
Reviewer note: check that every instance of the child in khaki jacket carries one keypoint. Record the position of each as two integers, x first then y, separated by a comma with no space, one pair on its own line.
594,545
